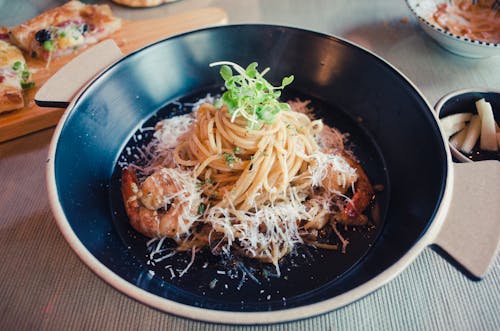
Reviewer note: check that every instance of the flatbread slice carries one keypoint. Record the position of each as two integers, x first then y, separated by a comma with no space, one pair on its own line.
14,75
142,3
65,29
4,33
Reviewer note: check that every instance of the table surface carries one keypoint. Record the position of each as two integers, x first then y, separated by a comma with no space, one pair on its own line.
43,285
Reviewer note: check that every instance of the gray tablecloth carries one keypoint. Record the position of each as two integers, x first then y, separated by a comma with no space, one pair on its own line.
43,285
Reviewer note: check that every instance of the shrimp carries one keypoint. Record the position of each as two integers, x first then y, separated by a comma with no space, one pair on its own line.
340,175
352,214
154,208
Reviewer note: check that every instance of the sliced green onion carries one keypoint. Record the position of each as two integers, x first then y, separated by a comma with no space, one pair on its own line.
27,85
48,45
17,65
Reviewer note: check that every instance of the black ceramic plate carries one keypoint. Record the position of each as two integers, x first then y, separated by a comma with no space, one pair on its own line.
393,132
248,285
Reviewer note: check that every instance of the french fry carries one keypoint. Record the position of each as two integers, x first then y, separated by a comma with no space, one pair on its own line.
454,123
488,140
473,132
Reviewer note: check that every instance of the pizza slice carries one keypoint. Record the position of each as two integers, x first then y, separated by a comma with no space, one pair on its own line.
65,29
4,33
14,77
142,3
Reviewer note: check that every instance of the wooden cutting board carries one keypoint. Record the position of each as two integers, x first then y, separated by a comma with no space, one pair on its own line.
132,36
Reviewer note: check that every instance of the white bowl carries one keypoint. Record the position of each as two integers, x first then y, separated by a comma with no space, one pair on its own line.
423,10
463,101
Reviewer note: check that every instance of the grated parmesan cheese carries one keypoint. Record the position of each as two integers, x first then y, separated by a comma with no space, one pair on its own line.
187,197
330,139
270,227
168,131
334,167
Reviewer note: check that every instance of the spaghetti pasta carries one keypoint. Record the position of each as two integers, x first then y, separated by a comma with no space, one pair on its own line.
250,166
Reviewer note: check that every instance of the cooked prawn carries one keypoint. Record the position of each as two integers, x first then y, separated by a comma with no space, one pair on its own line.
340,175
155,208
338,172
352,214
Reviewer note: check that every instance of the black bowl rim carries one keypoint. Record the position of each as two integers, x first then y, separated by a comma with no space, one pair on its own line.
230,317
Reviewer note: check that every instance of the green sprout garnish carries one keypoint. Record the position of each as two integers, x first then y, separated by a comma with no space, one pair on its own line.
250,95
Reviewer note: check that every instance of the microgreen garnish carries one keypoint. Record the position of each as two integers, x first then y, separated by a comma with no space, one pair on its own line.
250,95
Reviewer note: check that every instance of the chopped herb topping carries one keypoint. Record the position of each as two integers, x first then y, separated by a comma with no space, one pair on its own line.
230,159
208,181
202,208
